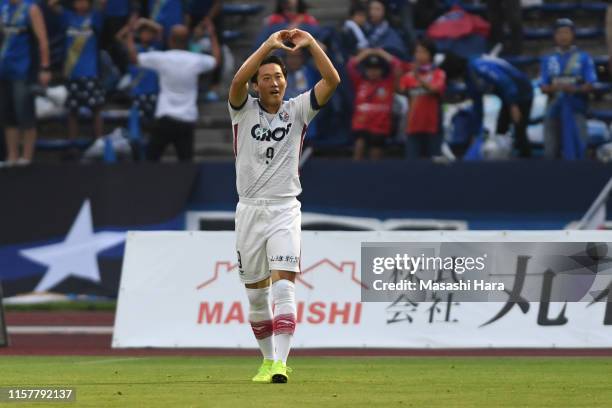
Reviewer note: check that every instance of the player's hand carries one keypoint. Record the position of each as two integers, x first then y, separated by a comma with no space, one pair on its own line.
44,77
515,113
280,40
301,38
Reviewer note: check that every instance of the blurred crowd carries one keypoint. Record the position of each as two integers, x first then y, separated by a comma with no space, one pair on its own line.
401,62
91,48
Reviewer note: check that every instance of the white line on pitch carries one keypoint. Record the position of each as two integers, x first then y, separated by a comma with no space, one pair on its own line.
112,360
60,329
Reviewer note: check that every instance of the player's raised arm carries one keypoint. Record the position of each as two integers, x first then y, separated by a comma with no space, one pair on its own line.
325,88
239,88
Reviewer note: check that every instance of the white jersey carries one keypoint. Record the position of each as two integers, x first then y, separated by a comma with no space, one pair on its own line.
268,147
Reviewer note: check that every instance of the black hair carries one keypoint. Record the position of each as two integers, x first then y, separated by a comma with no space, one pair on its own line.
357,8
454,66
270,59
429,45
384,4
301,8
146,27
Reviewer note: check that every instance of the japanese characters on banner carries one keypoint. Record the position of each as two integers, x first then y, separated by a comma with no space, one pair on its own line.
181,289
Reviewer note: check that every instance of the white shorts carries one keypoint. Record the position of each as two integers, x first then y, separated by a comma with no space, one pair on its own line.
267,237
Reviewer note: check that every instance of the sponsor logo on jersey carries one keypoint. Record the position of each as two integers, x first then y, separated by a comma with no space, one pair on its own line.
284,116
284,258
265,135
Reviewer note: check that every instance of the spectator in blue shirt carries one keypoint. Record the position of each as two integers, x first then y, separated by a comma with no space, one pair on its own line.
21,21
486,74
301,77
83,27
144,86
167,13
567,77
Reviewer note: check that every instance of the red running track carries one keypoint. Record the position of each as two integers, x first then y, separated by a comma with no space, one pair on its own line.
100,344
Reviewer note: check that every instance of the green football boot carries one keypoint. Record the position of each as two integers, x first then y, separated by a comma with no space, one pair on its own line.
279,371
264,375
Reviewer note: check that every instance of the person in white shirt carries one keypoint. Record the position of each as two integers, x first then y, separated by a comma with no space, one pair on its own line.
177,109
268,137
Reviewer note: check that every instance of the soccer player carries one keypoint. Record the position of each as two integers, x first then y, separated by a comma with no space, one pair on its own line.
268,136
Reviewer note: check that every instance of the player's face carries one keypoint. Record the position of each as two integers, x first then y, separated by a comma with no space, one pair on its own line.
564,36
271,84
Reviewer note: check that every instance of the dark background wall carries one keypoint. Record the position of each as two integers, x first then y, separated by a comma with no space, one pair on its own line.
39,204
498,195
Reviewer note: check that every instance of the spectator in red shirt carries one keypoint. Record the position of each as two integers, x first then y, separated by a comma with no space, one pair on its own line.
292,12
374,86
424,84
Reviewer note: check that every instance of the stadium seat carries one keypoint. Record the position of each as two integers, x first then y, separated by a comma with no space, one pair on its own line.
557,7
243,10
481,9
594,7
604,115
590,32
231,35
475,8
116,115
521,61
567,8
581,33
601,59
62,144
543,33
537,33
455,88
602,87
598,133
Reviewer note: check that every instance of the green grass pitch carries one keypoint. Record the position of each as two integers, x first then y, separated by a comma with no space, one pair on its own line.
320,381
